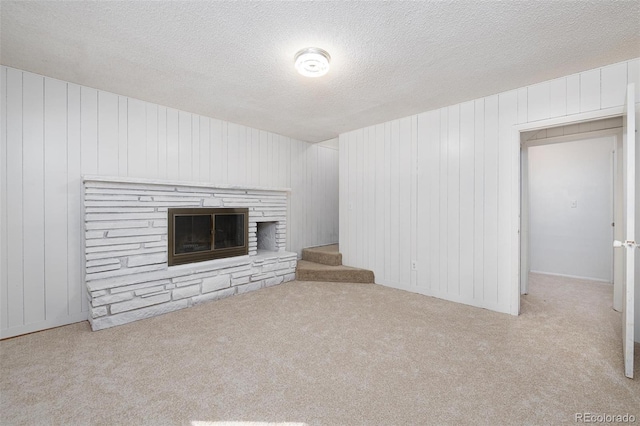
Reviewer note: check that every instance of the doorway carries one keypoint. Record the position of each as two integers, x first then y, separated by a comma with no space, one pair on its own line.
571,192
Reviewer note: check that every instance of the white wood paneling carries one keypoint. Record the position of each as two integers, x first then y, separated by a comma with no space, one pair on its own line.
478,205
13,206
173,145
507,118
557,98
590,90
77,302
152,161
123,136
108,142
453,200
464,199
55,199
573,94
614,79
33,204
3,199
467,207
53,132
185,171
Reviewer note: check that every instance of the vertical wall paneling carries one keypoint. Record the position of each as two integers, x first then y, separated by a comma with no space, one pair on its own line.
241,152
108,143
358,195
137,138
557,97
205,149
123,137
285,168
444,200
380,223
404,191
162,142
433,142
3,198
54,132
507,117
466,195
55,199
453,201
298,185
15,240
89,130
173,145
351,202
633,76
152,160
216,154
77,303
33,148
478,196
467,208
312,184
422,202
264,155
573,94
195,148
538,102
491,200
523,109
414,199
363,212
614,79
184,145
223,157
395,217
253,141
590,90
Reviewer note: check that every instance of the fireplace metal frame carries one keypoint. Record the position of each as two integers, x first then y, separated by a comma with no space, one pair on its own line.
201,256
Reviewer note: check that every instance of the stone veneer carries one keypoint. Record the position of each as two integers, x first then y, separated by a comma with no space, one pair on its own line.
125,248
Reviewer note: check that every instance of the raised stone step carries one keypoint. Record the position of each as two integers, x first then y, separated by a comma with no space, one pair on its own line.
311,271
327,255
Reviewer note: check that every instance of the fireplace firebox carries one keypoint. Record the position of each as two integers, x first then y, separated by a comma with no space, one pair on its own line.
199,234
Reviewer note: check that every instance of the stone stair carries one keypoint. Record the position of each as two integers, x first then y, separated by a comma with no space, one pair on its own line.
324,263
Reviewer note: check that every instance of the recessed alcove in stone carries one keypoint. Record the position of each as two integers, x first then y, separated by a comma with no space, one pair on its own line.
267,236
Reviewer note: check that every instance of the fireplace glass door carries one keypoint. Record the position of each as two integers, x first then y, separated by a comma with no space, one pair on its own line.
199,234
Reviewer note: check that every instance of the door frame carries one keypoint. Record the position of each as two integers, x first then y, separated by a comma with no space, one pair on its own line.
516,185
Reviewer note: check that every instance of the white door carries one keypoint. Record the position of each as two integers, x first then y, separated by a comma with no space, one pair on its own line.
629,244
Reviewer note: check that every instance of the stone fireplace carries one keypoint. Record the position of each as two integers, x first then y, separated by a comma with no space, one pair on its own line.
130,225
199,234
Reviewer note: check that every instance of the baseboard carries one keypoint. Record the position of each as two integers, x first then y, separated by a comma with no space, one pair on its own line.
43,325
600,280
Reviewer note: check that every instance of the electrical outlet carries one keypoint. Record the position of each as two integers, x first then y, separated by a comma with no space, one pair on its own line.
414,265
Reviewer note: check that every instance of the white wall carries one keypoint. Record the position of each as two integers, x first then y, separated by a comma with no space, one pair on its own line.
438,188
53,132
571,208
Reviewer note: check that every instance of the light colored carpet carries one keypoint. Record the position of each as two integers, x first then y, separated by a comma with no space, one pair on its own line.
326,353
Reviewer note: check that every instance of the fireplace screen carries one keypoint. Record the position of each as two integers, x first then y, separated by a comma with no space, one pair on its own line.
199,234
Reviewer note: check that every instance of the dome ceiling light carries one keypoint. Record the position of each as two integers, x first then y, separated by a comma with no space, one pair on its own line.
312,62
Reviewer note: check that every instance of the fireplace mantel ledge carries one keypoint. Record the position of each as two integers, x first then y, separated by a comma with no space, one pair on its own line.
162,182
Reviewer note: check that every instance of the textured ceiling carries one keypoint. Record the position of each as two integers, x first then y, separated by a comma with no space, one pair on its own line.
234,60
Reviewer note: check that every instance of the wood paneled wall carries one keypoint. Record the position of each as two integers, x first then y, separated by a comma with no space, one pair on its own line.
53,132
427,201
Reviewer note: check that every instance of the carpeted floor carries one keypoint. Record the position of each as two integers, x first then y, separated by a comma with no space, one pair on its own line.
331,353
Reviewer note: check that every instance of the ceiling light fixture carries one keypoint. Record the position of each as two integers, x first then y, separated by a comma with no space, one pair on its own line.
312,62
